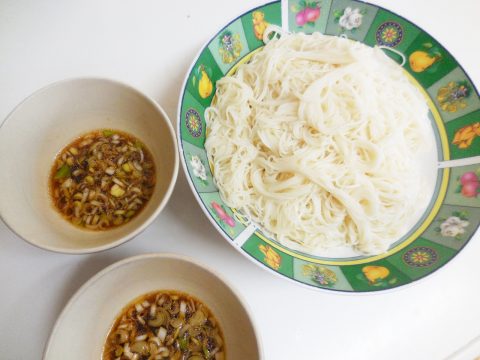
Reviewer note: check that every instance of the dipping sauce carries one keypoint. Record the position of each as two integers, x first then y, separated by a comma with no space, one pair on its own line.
102,179
165,325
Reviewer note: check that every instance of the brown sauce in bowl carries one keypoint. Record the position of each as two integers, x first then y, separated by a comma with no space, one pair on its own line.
165,325
102,180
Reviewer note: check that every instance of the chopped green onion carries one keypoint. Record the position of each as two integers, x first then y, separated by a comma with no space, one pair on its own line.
116,191
108,132
126,167
206,352
183,344
63,172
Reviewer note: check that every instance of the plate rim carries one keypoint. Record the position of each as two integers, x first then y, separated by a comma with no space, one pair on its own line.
239,248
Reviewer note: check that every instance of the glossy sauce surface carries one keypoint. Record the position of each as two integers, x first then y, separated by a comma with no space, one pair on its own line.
165,325
102,180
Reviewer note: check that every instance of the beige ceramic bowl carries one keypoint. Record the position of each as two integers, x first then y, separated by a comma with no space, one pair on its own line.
82,327
48,120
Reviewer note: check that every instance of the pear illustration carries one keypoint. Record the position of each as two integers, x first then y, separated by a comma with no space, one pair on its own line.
422,60
204,85
375,273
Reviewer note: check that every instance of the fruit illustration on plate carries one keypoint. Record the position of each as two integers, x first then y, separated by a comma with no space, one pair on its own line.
319,274
272,258
221,214
375,273
464,136
203,76
307,13
259,24
469,184
230,46
378,276
426,58
452,97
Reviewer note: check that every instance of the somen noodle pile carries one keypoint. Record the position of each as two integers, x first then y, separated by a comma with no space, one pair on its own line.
316,139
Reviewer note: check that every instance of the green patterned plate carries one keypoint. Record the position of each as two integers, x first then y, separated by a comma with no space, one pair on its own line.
454,212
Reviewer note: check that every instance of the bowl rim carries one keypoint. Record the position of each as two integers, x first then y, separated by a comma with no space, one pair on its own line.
147,222
142,257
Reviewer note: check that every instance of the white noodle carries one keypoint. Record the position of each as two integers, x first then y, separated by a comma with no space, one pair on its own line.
316,140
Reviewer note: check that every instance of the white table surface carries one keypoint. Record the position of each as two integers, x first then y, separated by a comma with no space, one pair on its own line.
150,44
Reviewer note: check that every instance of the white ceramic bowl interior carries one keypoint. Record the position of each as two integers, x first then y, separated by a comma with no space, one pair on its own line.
82,327
48,120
